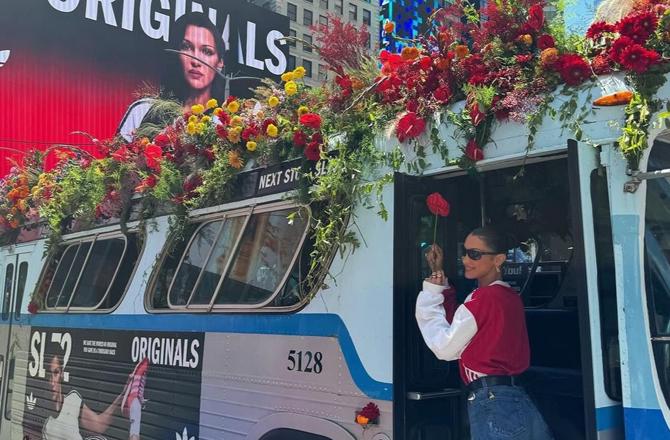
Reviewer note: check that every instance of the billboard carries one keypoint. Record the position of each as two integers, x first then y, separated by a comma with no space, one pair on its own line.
69,66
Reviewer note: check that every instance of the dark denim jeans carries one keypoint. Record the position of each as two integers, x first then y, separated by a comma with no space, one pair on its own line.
505,412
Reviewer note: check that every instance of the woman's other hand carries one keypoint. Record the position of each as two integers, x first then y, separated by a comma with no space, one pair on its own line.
435,258
437,278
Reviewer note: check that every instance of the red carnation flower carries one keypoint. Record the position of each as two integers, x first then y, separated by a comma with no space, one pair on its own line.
597,29
224,118
573,69
344,82
437,205
409,126
473,152
311,120
425,63
313,152
221,131
545,41
299,139
316,137
250,132
618,46
637,58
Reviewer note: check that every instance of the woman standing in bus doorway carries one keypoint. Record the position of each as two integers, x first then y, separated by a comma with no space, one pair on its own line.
190,77
487,334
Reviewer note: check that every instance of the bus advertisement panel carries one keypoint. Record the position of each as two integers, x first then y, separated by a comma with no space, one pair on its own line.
80,380
69,67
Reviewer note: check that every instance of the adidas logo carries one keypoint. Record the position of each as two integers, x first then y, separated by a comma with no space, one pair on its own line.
4,56
31,401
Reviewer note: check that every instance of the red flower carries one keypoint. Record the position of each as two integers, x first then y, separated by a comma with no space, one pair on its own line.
33,307
573,69
192,182
476,115
370,411
442,94
221,131
224,118
638,27
121,155
473,152
344,82
152,155
425,63
536,17
409,126
316,137
545,41
601,64
299,139
618,46
162,140
311,120
313,152
637,58
230,99
267,122
523,59
437,205
250,132
597,29
147,183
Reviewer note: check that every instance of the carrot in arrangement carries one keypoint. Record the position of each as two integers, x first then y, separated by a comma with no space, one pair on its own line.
617,98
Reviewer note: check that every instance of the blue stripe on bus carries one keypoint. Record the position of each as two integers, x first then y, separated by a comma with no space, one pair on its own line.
327,325
609,417
645,424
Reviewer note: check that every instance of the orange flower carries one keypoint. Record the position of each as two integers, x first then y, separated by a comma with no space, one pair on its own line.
461,51
362,420
549,56
409,53
14,223
389,27
356,84
234,159
443,63
526,39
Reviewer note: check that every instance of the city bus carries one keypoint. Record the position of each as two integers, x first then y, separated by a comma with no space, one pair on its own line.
204,331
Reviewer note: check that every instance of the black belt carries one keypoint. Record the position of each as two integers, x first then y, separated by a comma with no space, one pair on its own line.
490,381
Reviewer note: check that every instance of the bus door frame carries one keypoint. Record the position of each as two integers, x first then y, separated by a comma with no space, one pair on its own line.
583,159
18,255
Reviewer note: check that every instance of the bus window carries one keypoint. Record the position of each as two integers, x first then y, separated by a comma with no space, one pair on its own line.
89,275
10,389
23,275
264,255
657,261
242,259
7,293
609,326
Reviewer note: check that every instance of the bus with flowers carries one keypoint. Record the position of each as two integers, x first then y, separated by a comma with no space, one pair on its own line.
249,268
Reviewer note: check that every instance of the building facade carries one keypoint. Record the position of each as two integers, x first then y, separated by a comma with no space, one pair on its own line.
303,14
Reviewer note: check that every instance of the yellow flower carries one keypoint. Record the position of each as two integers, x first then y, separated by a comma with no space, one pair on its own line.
251,146
233,135
272,130
234,159
190,128
145,141
299,72
287,76
192,119
197,109
526,39
236,121
273,101
303,109
205,119
218,111
212,103
199,127
291,88
233,106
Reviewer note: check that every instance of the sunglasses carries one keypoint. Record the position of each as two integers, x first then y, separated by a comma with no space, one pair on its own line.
476,254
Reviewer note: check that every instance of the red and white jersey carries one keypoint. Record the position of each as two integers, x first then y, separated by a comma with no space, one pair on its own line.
487,333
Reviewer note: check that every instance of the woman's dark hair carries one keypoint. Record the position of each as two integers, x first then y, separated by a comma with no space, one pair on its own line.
495,238
172,81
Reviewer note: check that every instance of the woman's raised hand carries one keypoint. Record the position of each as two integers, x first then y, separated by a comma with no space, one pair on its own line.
435,258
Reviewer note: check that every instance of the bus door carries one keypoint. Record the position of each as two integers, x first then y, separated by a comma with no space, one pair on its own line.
14,280
429,401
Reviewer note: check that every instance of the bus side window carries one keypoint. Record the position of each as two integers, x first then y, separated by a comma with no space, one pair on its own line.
9,392
7,292
21,286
